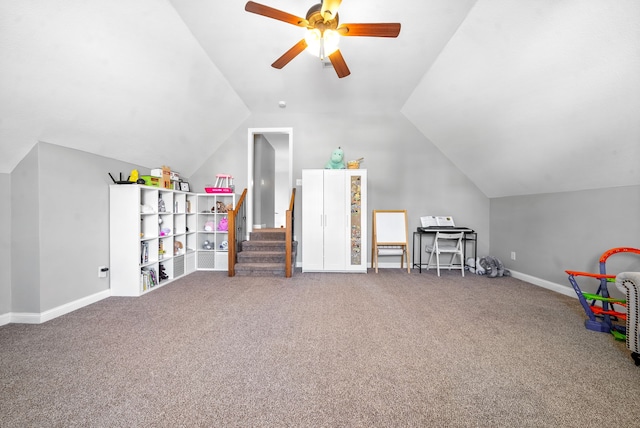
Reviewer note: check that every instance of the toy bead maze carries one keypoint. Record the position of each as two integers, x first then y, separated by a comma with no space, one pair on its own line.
605,314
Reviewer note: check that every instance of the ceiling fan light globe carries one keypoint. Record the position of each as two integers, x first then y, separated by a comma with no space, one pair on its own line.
322,44
331,41
312,37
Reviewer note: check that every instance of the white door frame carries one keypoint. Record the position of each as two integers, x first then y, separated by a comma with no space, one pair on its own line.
252,132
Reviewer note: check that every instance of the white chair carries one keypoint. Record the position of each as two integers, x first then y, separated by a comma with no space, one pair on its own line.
447,243
390,236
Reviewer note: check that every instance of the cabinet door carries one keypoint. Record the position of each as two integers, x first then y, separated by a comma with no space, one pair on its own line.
356,195
312,220
335,220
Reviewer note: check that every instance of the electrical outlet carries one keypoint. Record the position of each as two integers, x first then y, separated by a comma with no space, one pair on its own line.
102,271
513,255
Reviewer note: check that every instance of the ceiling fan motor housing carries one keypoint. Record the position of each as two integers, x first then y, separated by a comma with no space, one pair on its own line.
314,16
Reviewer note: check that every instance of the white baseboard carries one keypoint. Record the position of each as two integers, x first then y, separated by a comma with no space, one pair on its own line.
558,288
5,319
390,265
38,318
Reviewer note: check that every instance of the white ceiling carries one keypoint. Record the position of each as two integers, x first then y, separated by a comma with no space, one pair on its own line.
384,71
523,96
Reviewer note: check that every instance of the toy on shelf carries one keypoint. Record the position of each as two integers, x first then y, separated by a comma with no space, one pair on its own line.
219,208
132,179
605,314
223,224
163,273
224,184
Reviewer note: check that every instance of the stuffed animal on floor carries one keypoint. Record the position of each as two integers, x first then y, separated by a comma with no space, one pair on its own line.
494,267
475,267
336,161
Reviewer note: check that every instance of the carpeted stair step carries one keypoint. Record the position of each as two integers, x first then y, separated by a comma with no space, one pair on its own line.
260,269
263,246
267,235
261,256
264,254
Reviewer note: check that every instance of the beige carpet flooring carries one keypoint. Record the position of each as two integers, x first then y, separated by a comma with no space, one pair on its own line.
320,350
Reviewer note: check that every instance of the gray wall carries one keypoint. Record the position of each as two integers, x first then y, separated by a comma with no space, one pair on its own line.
554,232
60,207
406,171
264,182
282,188
5,244
25,236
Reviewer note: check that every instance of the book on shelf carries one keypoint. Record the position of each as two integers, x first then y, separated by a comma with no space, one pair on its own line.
433,220
148,279
144,253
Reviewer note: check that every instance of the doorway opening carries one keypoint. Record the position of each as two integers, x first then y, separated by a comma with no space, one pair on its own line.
270,177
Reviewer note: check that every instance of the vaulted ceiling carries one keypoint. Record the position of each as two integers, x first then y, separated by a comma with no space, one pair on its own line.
524,96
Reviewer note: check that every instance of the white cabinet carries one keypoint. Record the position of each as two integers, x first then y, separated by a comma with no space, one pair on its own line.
152,237
334,220
212,230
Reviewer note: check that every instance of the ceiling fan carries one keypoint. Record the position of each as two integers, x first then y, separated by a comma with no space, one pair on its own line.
324,31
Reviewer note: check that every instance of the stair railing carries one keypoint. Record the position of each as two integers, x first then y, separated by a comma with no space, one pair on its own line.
237,218
288,271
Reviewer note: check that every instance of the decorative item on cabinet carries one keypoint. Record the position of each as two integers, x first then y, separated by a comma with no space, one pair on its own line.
354,164
336,161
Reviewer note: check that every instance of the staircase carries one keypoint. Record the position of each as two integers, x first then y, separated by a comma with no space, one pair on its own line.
264,254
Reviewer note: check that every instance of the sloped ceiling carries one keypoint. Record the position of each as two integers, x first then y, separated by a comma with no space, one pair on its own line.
538,96
384,71
523,96
122,79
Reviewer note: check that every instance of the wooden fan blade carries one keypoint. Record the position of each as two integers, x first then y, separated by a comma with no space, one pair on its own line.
270,12
388,29
339,64
290,54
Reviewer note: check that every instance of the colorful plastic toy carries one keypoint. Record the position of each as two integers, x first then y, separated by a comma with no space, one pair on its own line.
602,315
